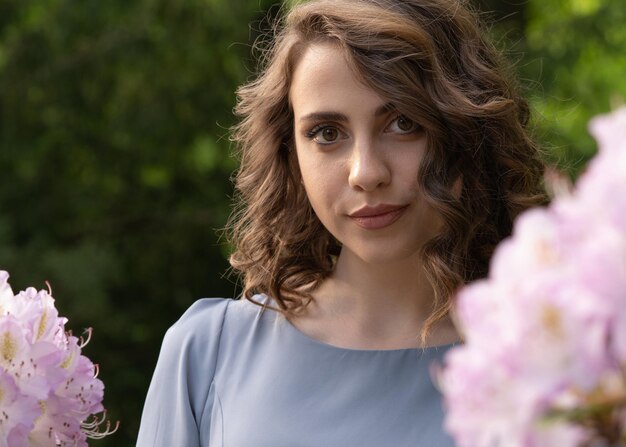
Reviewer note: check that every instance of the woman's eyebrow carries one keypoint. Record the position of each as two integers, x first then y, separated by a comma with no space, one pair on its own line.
325,116
384,109
336,116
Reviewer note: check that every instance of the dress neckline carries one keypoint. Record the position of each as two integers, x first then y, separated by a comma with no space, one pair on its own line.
428,350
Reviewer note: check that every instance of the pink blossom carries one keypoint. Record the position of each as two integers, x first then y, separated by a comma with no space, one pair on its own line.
81,390
57,426
546,331
36,309
601,188
17,412
49,391
6,294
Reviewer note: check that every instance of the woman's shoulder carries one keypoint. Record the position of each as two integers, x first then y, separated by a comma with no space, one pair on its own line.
204,317
214,328
180,394
207,316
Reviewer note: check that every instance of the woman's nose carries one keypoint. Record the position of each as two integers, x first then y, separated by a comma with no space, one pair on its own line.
368,167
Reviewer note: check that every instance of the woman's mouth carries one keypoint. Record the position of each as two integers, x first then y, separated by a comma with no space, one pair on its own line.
377,217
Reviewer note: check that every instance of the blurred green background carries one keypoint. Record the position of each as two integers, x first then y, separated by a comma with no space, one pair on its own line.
114,151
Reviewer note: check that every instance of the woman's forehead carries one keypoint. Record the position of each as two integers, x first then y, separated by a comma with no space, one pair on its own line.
324,79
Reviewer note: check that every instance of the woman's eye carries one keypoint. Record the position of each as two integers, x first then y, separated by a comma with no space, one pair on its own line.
329,134
324,134
403,125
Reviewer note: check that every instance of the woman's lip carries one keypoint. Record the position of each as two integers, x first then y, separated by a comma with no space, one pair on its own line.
375,218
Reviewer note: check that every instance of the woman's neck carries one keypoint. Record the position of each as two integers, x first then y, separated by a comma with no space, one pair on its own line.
371,306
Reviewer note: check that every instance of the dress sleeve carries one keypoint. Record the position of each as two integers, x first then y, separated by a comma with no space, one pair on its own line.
177,411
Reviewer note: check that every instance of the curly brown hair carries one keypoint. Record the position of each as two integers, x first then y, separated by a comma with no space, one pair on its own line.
432,60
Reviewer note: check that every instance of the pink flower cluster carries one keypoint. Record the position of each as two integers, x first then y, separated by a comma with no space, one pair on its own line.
48,390
544,358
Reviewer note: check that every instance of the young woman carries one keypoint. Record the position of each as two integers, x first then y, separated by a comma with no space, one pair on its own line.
384,154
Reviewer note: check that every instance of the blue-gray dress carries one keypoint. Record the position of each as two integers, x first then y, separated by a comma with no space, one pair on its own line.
232,375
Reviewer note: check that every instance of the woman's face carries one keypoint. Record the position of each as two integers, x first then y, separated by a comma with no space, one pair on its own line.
359,160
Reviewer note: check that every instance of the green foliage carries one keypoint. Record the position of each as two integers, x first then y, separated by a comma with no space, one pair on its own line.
576,47
115,167
571,59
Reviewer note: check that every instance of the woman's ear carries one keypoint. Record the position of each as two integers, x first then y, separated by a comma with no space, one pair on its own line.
457,187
